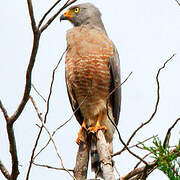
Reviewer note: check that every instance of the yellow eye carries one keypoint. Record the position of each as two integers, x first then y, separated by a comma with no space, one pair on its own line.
76,10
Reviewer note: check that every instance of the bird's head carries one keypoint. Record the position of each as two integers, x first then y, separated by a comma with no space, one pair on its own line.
82,14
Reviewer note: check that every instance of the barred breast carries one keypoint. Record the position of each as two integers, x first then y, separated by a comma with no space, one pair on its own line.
87,68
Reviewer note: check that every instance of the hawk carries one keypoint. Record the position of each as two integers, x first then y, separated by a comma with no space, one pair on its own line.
92,73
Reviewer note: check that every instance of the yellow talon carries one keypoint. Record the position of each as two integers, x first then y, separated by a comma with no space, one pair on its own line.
97,126
80,137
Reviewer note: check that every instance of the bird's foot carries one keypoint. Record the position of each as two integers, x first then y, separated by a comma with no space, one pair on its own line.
96,128
81,137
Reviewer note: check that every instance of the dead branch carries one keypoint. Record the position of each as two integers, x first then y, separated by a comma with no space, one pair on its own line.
136,173
27,89
55,147
10,120
104,157
45,117
51,167
4,171
33,86
82,159
4,111
135,145
51,86
178,2
168,134
124,144
68,3
157,101
45,15
54,132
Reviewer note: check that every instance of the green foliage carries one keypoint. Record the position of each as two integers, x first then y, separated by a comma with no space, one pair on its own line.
167,160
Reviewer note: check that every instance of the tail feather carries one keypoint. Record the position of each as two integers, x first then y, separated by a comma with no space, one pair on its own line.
95,162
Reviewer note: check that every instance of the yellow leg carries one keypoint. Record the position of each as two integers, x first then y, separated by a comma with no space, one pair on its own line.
80,136
98,125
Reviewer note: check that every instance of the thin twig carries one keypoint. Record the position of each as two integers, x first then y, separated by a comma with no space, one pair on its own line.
120,84
51,167
135,145
54,132
40,131
42,19
68,3
43,125
157,101
51,86
140,161
56,149
4,111
38,93
121,140
169,132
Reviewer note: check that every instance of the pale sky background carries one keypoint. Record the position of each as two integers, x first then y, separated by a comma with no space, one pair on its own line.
146,33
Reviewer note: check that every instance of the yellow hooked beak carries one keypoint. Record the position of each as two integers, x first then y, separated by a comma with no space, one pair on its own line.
67,15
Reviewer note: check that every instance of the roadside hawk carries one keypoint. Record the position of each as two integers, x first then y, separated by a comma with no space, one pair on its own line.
92,74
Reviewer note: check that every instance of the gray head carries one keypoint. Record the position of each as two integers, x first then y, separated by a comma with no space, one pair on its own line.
83,14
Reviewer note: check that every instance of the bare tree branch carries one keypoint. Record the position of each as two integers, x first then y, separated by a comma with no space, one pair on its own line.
4,171
41,128
41,119
157,101
178,2
51,167
82,158
169,133
68,3
25,98
38,93
104,157
51,86
119,85
45,15
138,171
13,152
135,145
61,126
121,140
4,111
31,14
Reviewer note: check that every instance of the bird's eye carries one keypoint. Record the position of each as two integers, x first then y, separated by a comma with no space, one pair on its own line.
76,10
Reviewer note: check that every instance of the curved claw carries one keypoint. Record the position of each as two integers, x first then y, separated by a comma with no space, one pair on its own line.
96,128
80,137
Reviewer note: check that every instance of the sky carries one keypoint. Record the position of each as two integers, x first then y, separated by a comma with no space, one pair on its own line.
146,34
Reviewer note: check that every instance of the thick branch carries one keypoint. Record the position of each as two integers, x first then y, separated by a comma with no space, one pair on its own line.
178,2
25,98
105,157
4,170
82,159
135,173
13,151
31,14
